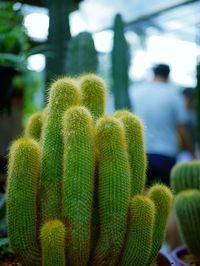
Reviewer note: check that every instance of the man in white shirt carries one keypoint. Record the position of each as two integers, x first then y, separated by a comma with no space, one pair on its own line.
162,110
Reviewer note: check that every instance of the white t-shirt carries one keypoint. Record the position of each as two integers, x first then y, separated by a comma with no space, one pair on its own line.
161,107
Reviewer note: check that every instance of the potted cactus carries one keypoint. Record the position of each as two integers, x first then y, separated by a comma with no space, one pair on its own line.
75,184
185,181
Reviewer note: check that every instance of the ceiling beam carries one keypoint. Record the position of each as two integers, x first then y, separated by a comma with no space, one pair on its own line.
152,15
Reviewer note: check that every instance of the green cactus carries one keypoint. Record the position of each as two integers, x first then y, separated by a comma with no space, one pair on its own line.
33,127
93,94
53,243
187,209
120,65
113,190
78,183
82,56
185,175
137,157
23,177
63,94
162,198
197,104
137,247
71,204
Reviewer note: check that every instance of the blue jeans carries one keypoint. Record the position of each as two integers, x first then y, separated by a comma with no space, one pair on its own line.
159,167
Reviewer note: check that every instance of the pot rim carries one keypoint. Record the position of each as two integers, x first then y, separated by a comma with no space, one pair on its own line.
176,258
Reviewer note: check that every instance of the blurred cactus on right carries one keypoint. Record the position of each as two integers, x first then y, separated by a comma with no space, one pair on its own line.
75,196
185,181
82,56
120,65
198,102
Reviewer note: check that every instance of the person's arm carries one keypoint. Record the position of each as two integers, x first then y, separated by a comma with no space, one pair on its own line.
185,141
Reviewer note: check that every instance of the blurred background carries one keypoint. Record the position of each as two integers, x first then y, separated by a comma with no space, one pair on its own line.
120,40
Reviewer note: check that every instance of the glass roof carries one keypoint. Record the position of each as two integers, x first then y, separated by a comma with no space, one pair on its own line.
98,15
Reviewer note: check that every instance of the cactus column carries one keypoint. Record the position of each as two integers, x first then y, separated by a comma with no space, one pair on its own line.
23,179
113,190
63,94
120,65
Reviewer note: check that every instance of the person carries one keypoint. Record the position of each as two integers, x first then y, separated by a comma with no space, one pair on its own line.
161,108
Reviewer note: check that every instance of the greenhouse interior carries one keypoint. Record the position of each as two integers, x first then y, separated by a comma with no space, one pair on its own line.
84,84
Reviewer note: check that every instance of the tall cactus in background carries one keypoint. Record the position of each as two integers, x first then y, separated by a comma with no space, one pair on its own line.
198,103
83,160
82,57
120,65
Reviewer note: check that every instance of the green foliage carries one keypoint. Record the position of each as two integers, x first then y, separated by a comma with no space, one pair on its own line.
137,157
187,210
53,243
82,56
120,65
72,204
140,231
4,247
185,175
13,37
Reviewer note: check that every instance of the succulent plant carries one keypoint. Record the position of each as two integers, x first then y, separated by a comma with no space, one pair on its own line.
185,175
185,181
34,126
75,184
82,56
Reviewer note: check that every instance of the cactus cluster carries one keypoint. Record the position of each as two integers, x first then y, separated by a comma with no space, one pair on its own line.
76,181
185,181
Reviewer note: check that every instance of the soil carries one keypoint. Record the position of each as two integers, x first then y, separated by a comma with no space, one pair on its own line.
190,259
9,260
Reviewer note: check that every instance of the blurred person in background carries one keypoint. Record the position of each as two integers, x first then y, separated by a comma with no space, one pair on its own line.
162,109
189,94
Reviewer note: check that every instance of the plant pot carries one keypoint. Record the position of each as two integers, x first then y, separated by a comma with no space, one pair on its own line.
178,253
163,260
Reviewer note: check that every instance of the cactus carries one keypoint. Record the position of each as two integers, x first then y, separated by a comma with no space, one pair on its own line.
137,247
53,243
113,200
82,56
187,210
120,65
185,175
34,126
197,104
162,198
78,183
23,177
185,181
63,94
135,141
93,94
70,194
